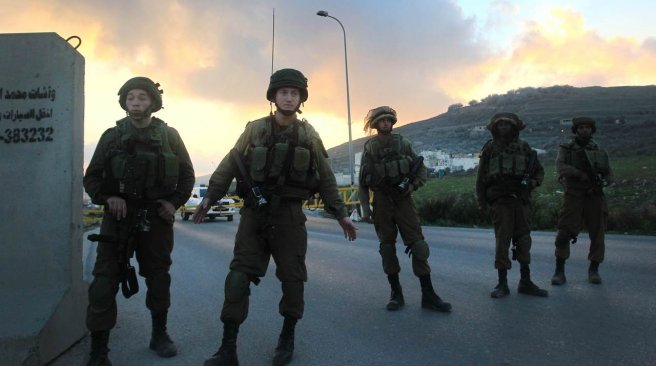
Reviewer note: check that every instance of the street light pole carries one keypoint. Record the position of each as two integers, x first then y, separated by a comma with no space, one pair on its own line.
323,13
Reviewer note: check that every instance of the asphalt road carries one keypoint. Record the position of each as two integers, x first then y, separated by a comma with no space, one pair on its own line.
346,323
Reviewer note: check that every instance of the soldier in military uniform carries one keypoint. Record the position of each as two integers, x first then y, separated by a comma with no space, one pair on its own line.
141,173
283,162
393,171
584,171
507,172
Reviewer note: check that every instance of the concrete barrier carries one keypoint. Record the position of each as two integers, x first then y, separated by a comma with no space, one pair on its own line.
42,293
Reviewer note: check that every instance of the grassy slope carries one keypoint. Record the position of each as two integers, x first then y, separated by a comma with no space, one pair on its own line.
631,197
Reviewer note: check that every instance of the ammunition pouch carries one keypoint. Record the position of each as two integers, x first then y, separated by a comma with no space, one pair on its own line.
236,286
419,249
512,162
269,166
141,169
300,165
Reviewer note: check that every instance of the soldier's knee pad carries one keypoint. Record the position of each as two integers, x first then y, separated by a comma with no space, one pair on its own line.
102,291
562,238
420,250
236,286
160,281
293,290
387,250
524,240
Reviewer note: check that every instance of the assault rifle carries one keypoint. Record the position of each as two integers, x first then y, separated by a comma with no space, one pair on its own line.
254,193
598,179
532,160
127,230
410,177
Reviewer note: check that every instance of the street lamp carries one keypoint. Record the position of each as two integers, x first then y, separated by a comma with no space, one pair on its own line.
323,13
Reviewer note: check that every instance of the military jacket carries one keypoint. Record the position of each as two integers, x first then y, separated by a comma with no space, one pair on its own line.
576,158
140,164
289,161
502,168
386,161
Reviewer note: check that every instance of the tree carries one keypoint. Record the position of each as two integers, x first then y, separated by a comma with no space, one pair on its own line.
455,106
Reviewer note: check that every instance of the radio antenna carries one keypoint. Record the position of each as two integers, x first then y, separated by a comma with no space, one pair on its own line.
273,37
273,46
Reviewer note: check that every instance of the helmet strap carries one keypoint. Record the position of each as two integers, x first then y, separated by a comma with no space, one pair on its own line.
139,116
286,112
385,133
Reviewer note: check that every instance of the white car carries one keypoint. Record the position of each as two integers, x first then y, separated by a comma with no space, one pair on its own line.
225,207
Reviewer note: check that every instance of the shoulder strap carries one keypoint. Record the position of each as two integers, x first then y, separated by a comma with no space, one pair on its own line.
524,146
397,142
121,129
488,143
164,130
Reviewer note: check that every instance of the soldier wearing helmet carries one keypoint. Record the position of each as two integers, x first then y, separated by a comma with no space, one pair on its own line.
508,171
393,171
584,171
284,159
141,173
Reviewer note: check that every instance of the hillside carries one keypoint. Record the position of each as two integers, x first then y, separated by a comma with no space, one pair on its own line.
626,118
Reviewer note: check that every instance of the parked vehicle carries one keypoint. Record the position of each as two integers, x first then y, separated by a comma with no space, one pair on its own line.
225,207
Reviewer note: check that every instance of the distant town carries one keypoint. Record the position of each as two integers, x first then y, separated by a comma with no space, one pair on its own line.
438,163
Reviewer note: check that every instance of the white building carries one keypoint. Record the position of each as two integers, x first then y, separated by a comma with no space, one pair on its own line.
440,160
433,160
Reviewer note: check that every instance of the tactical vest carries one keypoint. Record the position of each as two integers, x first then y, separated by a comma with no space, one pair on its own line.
390,165
508,162
595,161
283,163
141,166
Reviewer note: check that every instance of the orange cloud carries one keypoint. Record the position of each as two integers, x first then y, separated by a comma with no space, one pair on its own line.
559,50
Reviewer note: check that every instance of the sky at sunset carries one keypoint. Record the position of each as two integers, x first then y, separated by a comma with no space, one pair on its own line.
213,57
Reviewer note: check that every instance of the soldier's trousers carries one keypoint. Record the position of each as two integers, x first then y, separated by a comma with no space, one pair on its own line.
577,210
512,223
391,218
260,236
153,252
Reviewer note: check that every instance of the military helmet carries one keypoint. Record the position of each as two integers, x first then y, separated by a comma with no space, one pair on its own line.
143,83
580,121
377,114
287,78
505,116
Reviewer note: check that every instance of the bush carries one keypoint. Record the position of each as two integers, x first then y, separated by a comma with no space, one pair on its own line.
434,210
635,220
452,210
544,211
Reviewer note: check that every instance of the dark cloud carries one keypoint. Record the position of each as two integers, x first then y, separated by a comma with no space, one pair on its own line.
221,49
395,48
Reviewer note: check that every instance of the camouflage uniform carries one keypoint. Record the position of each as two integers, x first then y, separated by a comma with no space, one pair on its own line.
162,170
386,161
584,202
503,185
273,231
287,163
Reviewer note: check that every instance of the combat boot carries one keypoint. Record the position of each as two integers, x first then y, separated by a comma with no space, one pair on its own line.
160,342
501,290
430,299
559,276
593,273
396,300
227,353
526,286
99,350
285,349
